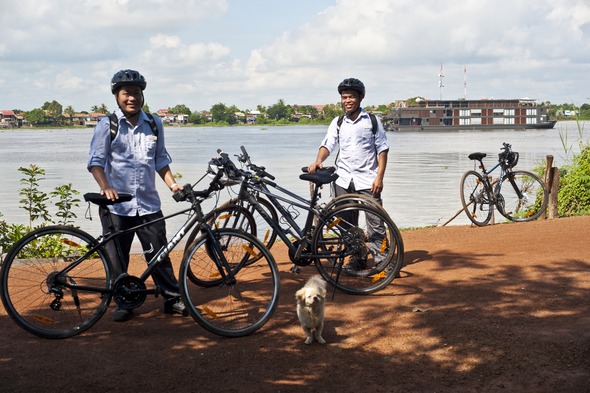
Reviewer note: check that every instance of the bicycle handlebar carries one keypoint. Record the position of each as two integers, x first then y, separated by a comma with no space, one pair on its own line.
506,149
187,193
259,170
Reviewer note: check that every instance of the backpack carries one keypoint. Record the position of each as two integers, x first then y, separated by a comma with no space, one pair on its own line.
114,122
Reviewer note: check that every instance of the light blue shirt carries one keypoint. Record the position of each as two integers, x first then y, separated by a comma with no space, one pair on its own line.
357,160
131,162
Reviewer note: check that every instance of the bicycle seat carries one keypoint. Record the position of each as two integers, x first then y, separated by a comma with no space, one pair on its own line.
320,177
101,200
330,169
477,156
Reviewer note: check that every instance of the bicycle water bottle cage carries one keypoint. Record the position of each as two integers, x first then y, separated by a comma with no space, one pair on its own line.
477,156
102,200
324,176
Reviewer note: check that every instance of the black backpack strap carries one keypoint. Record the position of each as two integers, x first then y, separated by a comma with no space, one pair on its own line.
374,123
338,124
153,124
114,125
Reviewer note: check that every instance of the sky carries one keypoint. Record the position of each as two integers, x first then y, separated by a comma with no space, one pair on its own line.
247,53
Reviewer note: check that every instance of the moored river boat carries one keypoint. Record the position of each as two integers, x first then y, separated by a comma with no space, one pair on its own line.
485,114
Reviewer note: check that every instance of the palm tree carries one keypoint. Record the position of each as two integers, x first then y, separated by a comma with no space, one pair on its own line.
70,112
102,108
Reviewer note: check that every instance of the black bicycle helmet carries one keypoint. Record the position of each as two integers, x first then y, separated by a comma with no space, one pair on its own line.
127,77
352,84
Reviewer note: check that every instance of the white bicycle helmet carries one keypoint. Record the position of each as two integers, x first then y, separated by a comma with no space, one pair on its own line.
229,177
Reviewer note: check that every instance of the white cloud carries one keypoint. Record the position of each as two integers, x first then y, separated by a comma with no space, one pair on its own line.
201,52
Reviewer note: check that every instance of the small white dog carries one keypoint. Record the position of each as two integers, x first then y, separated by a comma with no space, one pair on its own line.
310,308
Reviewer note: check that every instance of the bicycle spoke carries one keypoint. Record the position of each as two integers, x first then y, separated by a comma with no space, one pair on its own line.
523,196
245,299
476,198
43,298
359,250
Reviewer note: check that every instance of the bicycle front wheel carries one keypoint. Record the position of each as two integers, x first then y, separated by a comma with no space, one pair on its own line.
523,196
245,297
476,198
358,248
50,287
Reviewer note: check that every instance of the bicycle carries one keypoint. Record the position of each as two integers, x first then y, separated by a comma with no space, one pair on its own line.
331,237
56,281
518,195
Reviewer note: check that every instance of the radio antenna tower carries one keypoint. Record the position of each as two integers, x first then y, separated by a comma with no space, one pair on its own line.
465,82
440,80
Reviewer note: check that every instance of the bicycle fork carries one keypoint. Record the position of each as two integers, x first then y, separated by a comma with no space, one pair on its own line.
218,257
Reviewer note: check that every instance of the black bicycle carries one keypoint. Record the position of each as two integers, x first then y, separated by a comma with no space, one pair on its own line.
518,195
353,242
56,281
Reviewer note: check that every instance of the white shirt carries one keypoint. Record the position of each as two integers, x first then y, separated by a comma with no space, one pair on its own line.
357,160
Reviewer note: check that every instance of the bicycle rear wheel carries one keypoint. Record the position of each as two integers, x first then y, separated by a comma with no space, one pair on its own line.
531,202
264,232
476,198
354,198
41,282
240,303
227,216
360,249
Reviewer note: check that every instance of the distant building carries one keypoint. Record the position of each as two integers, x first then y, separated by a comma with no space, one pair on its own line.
8,118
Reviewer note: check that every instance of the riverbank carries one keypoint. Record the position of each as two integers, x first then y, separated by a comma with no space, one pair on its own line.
502,308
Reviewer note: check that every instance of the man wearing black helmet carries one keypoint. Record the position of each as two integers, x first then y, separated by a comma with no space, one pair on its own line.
363,151
127,162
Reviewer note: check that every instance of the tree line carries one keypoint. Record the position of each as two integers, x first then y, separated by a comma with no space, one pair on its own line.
53,113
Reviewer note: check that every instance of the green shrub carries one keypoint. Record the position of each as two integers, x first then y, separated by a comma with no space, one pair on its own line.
34,202
574,187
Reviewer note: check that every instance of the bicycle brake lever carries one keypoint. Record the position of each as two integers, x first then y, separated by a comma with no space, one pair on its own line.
245,158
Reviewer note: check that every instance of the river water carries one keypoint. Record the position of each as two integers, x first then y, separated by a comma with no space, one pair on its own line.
421,183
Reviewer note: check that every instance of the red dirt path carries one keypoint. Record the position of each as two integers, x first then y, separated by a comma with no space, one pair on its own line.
503,308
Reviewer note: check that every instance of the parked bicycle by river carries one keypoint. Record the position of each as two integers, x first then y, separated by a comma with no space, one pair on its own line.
518,195
56,281
335,237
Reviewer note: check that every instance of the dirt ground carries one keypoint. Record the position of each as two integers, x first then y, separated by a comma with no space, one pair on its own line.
503,308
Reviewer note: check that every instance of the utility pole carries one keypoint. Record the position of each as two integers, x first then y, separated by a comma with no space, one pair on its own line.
440,80
465,82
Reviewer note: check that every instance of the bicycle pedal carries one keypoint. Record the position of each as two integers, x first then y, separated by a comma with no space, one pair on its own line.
296,269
